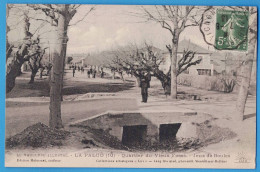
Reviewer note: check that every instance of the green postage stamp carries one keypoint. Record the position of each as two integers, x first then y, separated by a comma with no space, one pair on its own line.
231,30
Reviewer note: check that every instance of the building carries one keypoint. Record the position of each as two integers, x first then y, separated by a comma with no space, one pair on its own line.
205,67
213,62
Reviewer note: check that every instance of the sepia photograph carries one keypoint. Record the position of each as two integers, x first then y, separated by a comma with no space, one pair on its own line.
136,86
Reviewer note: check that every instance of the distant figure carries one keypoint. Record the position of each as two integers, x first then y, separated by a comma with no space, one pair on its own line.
78,68
82,70
102,72
94,73
91,70
73,71
145,78
121,74
113,73
88,74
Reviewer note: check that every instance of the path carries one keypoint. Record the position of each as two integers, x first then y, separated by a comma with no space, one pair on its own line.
18,118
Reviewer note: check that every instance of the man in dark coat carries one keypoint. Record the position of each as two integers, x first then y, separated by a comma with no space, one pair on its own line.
88,74
145,79
73,71
102,72
94,73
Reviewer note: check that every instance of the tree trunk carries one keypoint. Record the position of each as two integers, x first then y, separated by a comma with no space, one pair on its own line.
164,79
33,74
13,68
34,68
48,70
12,72
64,59
175,41
8,46
20,71
174,60
113,74
57,70
41,71
9,49
246,70
167,89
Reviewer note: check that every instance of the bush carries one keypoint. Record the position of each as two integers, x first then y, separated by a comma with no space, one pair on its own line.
213,83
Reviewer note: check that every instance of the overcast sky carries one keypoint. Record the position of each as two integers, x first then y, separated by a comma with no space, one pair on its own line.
109,27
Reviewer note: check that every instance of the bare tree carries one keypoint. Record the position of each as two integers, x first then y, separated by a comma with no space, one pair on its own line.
69,59
35,63
23,52
8,45
174,19
45,65
60,17
137,60
247,63
183,64
19,15
246,68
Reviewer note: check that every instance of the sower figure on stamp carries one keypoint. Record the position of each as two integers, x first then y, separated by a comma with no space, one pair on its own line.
145,79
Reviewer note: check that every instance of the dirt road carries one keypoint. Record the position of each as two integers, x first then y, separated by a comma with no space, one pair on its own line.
20,117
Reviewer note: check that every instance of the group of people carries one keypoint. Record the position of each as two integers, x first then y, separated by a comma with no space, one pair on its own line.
144,78
74,68
92,72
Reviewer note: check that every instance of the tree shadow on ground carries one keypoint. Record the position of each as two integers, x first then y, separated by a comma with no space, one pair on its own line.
22,89
83,88
41,88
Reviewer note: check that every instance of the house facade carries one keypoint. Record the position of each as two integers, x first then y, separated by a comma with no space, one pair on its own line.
205,67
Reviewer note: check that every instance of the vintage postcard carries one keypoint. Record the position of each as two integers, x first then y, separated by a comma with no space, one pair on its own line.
130,86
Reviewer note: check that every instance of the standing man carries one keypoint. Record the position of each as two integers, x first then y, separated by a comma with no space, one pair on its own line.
82,69
88,74
91,71
94,73
73,71
145,78
102,72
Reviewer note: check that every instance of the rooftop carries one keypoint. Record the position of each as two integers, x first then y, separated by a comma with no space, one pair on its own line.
188,45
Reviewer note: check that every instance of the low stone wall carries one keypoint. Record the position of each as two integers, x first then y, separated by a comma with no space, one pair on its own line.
212,83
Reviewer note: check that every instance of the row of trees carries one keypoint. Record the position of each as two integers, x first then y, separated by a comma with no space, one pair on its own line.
175,19
135,60
28,50
59,17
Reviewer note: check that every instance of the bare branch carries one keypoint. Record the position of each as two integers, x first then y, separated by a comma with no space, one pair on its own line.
48,11
83,18
186,61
